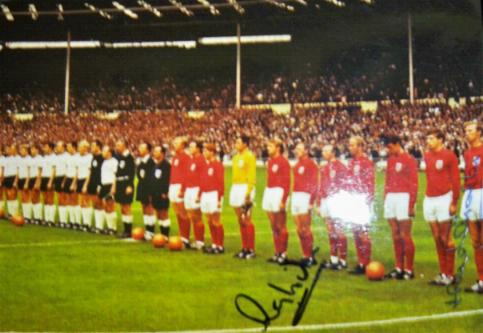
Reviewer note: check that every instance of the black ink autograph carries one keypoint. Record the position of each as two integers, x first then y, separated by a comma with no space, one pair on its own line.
263,317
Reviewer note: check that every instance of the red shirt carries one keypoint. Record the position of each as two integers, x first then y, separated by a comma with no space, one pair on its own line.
179,169
279,174
473,168
213,178
305,177
361,176
442,174
333,177
196,166
402,176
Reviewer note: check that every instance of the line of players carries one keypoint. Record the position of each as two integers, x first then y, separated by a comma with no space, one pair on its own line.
194,185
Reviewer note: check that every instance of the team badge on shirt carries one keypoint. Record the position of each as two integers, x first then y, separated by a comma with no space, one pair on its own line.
122,164
275,168
141,173
176,162
439,164
357,169
398,167
332,173
94,163
301,170
158,173
193,167
476,161
210,172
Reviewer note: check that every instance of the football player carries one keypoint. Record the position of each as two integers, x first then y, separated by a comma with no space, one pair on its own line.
124,186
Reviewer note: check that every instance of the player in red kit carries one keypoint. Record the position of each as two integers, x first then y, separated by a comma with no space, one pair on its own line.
332,185
196,166
442,193
472,204
305,186
177,186
275,198
360,184
400,194
212,189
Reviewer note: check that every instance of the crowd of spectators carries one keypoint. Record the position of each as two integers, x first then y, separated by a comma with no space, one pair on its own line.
315,127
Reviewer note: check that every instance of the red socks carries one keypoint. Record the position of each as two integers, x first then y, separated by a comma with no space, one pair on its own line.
199,229
409,251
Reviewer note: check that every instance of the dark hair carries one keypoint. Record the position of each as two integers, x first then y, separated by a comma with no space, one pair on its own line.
437,133
393,139
245,139
148,145
98,143
163,149
199,145
74,144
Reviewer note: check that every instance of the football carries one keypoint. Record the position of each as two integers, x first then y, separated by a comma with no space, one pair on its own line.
175,243
375,271
138,233
159,241
18,220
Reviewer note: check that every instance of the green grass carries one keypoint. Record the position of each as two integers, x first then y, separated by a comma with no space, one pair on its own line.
118,286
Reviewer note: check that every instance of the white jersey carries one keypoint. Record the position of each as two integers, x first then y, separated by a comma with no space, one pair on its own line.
108,171
48,165
11,166
84,165
72,162
24,167
35,163
60,163
2,162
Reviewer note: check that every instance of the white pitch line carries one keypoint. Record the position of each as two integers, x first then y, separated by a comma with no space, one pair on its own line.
61,243
334,326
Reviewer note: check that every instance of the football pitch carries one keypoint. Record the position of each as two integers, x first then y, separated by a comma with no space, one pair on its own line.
62,280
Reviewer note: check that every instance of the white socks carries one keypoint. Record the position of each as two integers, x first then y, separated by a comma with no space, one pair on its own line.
111,219
86,215
78,214
12,207
165,223
63,214
149,220
27,210
37,211
49,213
99,218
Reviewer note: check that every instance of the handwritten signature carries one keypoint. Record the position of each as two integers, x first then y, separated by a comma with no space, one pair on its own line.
247,305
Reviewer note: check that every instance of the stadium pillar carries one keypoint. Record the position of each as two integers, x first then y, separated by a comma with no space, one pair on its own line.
410,56
67,77
238,66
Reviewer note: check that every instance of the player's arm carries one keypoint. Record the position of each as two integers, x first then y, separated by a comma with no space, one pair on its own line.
15,182
370,181
115,170
166,174
88,179
314,181
131,169
27,181
455,179
414,182
286,183
52,177
251,174
38,178
221,183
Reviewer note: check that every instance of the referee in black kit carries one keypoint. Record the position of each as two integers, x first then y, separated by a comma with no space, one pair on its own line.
125,185
161,175
144,173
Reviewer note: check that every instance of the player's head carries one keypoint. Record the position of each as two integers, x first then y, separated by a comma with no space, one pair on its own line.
393,144
106,152
144,149
195,147
34,150
60,147
83,147
300,150
328,152
96,147
179,143
209,151
242,143
159,152
24,150
356,145
435,139
121,146
275,147
473,132
12,150
48,148
72,147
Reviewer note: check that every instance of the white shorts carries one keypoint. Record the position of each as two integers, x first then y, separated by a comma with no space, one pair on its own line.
324,207
173,193
300,203
396,206
209,202
190,196
357,209
472,205
238,193
436,209
272,198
